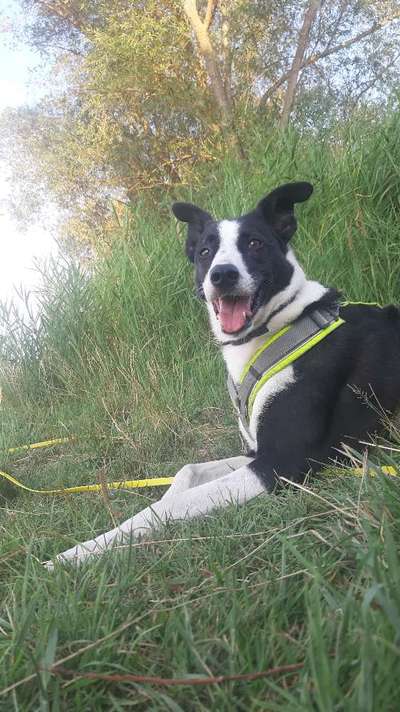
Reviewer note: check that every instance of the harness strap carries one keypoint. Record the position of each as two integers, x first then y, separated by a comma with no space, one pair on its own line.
278,351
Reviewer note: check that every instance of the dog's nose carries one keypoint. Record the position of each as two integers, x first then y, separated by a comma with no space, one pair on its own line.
224,276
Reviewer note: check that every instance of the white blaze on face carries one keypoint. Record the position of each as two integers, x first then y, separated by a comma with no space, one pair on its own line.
228,253
235,309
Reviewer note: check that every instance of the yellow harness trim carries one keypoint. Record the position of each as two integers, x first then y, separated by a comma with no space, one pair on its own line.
262,348
363,304
287,360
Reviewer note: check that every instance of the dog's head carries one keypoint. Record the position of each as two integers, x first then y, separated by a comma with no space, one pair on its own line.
242,264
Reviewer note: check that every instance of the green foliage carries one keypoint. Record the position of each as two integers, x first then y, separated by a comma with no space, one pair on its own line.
92,318
131,112
123,361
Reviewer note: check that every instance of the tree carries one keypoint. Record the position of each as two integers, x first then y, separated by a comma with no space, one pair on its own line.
334,65
206,49
132,117
293,74
148,93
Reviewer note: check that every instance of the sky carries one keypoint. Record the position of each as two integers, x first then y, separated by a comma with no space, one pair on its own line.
18,248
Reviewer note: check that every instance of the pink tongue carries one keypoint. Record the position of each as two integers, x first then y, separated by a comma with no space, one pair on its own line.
233,313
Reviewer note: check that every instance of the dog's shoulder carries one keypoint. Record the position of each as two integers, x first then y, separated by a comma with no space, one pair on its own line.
362,315
371,327
368,342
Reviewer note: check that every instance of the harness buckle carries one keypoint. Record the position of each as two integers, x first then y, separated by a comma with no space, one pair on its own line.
323,317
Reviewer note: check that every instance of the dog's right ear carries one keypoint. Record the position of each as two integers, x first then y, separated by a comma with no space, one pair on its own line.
196,219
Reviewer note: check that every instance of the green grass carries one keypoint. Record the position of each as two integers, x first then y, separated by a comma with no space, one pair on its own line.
123,361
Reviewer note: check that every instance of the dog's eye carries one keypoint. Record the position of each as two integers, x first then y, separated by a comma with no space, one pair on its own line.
255,244
204,252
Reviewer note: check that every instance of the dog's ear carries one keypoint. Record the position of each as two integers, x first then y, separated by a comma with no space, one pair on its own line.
196,219
277,208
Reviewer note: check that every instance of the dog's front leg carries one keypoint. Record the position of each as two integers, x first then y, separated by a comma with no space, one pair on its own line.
236,487
197,474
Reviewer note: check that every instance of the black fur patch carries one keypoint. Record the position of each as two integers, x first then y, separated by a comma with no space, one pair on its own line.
343,387
271,225
344,384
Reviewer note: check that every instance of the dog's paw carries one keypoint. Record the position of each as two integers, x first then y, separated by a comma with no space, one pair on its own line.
74,556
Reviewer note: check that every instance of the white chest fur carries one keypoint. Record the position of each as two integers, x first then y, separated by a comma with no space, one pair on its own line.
236,357
264,397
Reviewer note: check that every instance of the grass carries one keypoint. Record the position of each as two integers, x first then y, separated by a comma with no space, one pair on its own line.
122,360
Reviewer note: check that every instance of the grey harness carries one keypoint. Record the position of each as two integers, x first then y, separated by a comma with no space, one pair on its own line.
277,352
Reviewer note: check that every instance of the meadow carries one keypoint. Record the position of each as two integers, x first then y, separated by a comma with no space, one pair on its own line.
122,362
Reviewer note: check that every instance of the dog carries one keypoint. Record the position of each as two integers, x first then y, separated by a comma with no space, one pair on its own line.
302,416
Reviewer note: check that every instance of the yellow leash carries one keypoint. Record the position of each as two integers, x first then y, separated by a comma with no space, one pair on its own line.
122,484
385,469
36,446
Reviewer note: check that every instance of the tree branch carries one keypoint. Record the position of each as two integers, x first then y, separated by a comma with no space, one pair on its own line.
326,53
333,30
57,10
207,52
378,76
304,35
172,681
211,7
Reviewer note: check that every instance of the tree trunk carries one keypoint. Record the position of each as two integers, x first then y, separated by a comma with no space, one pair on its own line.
327,52
293,78
220,90
226,50
206,50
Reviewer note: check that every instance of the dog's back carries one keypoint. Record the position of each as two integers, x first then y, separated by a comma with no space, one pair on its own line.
341,393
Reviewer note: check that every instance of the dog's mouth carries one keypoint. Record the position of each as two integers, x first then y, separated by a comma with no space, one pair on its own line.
235,313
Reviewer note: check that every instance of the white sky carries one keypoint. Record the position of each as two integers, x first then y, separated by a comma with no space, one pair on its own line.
18,249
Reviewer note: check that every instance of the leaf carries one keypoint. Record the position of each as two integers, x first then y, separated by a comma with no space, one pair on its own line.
45,663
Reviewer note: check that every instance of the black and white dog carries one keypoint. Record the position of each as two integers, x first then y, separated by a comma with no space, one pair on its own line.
251,282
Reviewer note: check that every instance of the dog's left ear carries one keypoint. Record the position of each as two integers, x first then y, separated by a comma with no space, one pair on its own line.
277,207
196,219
